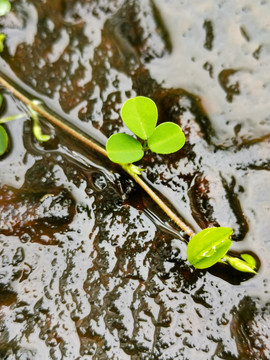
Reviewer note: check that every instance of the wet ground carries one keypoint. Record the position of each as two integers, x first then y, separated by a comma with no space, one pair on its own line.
90,267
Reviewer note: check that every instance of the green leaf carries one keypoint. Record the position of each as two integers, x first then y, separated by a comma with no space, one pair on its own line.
209,246
250,260
140,116
124,149
166,138
1,100
240,265
4,7
2,38
3,140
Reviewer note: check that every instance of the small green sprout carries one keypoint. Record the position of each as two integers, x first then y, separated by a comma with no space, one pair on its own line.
2,38
210,246
5,7
140,115
36,126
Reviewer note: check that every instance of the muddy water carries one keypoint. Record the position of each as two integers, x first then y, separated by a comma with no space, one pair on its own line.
90,267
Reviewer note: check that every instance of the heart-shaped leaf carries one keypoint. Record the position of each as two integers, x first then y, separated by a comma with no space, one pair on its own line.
3,140
209,246
4,7
167,138
140,116
124,149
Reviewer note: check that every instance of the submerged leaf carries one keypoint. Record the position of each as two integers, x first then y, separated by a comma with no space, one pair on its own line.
3,140
5,7
209,246
166,138
124,149
140,116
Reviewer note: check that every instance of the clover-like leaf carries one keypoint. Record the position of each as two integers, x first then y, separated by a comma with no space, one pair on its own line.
240,265
209,246
140,116
4,7
3,140
166,138
124,149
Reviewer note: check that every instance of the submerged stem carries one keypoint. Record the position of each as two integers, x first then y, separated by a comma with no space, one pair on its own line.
53,120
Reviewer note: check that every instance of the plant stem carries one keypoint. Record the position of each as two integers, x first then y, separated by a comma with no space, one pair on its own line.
53,120
163,206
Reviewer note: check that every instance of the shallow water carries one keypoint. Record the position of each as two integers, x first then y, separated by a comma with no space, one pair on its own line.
90,267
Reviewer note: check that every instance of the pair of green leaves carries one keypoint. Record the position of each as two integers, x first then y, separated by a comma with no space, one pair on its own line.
140,116
210,246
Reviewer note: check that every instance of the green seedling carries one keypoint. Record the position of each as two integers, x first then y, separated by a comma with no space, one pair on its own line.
37,132
36,126
140,115
5,7
211,245
2,38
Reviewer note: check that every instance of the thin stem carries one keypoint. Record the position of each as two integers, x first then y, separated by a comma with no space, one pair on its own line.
53,120
163,206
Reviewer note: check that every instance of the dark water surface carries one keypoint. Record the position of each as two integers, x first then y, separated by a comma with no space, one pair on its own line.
90,267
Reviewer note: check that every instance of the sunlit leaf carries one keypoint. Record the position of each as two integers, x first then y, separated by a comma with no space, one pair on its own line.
166,138
240,265
2,38
4,7
123,149
3,140
140,116
250,260
209,246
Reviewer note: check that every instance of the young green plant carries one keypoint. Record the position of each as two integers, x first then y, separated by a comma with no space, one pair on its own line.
200,246
140,115
36,126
